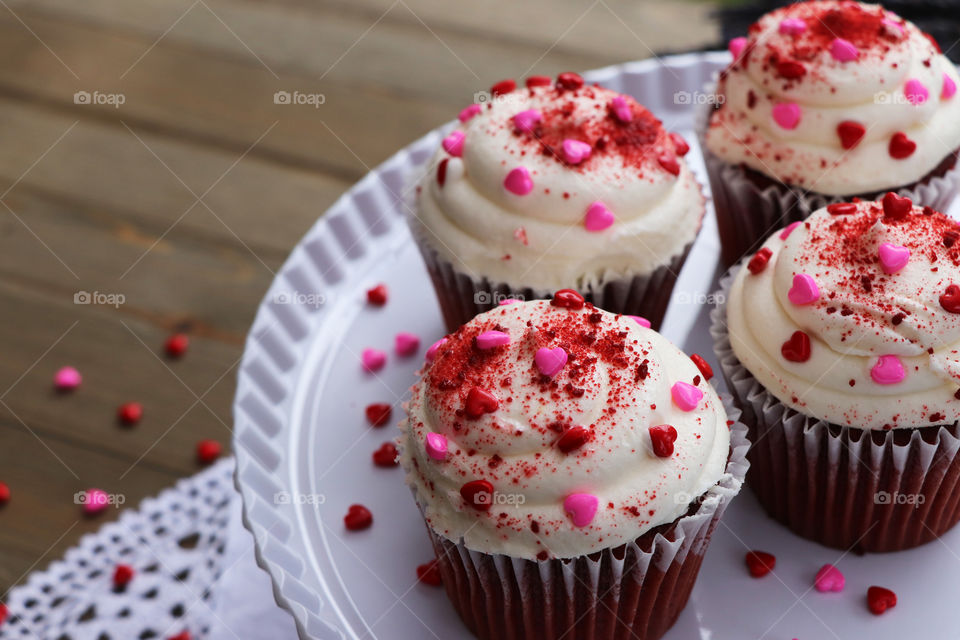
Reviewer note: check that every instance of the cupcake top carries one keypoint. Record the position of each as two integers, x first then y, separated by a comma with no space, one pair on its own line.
853,316
559,184
837,97
552,429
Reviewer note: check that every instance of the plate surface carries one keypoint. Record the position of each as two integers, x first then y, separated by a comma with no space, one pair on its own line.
303,445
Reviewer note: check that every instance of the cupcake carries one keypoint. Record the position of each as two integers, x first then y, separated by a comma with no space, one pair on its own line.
825,101
839,340
571,466
557,185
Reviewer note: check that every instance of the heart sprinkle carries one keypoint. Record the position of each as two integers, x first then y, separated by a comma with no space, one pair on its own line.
850,133
843,50
434,349
468,112
130,413
503,87
453,144
208,451
122,575
550,361
581,507
436,446
787,114
842,208
480,401
893,258
669,163
377,296
892,29
67,379
760,563
95,501
429,574
373,360
573,438
950,299
949,87
759,260
643,322
358,518
915,92
797,348
888,370
525,121
792,26
518,181
828,579
4,494
896,207
880,599
176,345
568,299
492,339
679,144
575,151
378,414
538,81
901,146
804,290
478,494
569,80
705,369
686,396
598,217
406,344
662,437
787,230
736,46
621,109
386,455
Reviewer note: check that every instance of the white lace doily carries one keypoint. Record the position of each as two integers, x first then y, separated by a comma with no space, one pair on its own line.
175,543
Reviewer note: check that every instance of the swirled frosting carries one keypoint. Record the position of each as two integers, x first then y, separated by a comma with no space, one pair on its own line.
853,317
566,445
837,97
559,185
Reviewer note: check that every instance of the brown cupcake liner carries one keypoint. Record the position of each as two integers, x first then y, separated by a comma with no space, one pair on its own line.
847,488
750,206
635,591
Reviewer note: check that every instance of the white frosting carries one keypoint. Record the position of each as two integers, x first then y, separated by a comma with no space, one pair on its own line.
869,91
849,327
515,449
539,239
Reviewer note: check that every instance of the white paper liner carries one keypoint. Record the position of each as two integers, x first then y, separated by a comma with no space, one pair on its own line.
848,488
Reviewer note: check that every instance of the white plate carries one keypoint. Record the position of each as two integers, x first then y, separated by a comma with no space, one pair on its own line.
301,433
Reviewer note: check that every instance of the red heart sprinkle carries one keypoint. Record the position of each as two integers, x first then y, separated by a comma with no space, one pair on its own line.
502,87
679,144
4,494
386,455
851,133
130,413
797,348
662,438
208,451
378,414
569,80
950,299
703,365
441,179
901,146
759,261
573,438
184,635
358,517
377,296
760,563
950,238
669,163
539,81
880,599
122,575
842,208
4,612
478,494
568,299
896,207
480,401
429,573
177,345
791,69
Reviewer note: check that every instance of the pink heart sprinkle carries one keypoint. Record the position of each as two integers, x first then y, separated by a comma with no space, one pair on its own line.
518,181
686,396
406,344
550,361
621,109
581,508
67,378
893,257
434,348
888,370
469,112
373,359
736,46
949,87
575,151
792,26
829,578
491,339
507,301
804,290
453,144
787,114
436,446
915,92
788,230
843,50
643,322
598,217
526,120
892,28
95,501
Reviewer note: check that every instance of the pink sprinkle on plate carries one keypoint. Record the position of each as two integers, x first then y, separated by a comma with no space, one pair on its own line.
67,379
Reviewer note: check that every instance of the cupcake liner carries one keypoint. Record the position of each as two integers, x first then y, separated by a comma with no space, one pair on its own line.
848,488
751,206
462,296
635,591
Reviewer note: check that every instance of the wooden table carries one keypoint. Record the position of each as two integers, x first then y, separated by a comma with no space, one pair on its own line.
186,198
